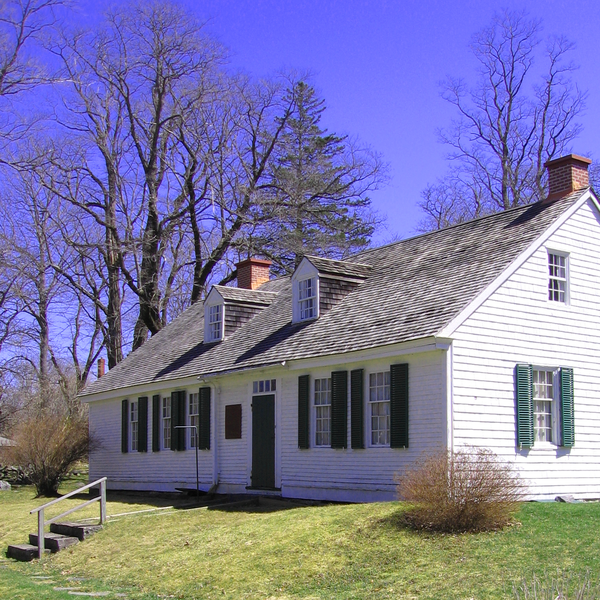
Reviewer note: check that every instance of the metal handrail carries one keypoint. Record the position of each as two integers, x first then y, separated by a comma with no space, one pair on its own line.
40,509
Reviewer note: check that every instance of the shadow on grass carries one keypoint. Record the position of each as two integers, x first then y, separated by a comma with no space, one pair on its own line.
400,520
255,504
397,520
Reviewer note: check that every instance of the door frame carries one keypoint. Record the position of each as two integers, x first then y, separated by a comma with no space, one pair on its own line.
277,421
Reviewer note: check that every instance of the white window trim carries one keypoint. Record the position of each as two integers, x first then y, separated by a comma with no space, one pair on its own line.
213,299
555,410
132,404
162,422
189,415
304,272
567,278
368,430
313,299
313,417
271,383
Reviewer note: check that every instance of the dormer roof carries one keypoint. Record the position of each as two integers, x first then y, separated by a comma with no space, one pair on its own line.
340,268
232,295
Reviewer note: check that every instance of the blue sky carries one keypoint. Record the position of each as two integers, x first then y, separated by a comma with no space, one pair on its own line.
378,65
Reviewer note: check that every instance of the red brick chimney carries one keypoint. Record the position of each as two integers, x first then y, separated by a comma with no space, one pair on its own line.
101,367
567,174
252,273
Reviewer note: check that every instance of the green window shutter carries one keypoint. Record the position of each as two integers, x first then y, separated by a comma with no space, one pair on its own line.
524,394
204,418
303,411
181,418
399,406
177,418
124,426
357,437
567,408
339,409
143,424
155,423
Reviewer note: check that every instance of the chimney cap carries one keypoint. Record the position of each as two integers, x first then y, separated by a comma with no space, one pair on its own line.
557,162
254,261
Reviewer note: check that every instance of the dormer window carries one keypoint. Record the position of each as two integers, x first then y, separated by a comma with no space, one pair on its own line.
305,293
214,311
320,283
226,309
215,322
307,298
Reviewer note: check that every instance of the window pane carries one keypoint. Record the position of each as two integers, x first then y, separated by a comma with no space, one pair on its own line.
379,401
543,394
322,407
166,423
557,282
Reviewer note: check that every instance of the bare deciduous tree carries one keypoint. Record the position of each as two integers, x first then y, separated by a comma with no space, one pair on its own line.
509,124
21,24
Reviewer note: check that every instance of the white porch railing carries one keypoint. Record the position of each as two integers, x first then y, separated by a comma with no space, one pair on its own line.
40,509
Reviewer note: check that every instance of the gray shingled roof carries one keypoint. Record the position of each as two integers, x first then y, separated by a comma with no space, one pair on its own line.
415,288
340,267
246,296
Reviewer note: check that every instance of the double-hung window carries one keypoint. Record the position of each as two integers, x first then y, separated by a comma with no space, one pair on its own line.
543,405
322,405
194,420
133,424
379,408
166,423
557,277
215,322
307,298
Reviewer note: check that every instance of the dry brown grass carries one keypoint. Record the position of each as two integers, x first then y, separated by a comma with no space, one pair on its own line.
466,490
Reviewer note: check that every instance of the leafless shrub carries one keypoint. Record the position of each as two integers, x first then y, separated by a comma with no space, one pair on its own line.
465,490
560,587
46,445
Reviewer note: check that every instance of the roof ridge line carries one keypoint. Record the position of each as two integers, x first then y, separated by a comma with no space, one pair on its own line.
481,218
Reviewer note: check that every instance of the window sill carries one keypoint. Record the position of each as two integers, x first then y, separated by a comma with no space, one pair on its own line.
544,446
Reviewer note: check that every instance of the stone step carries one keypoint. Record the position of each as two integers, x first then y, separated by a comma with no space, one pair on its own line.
24,552
54,541
75,529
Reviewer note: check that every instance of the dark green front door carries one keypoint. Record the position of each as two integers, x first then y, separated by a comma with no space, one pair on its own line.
263,441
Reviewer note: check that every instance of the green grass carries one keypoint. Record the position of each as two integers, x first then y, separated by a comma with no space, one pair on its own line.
336,551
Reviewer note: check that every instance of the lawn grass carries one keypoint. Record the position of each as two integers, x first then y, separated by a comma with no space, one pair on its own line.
337,551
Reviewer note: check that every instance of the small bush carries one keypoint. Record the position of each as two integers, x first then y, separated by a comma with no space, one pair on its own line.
560,587
46,446
465,490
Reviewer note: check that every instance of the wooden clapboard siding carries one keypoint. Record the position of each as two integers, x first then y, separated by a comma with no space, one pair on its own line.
234,455
164,470
368,473
517,324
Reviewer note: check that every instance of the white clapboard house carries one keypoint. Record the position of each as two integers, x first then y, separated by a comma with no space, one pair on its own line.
328,383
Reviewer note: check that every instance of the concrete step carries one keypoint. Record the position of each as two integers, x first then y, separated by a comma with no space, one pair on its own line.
75,529
54,541
24,552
